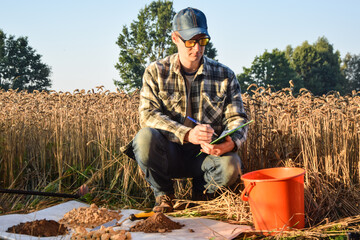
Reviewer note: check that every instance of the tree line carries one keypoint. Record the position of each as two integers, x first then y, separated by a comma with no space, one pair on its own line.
317,67
20,66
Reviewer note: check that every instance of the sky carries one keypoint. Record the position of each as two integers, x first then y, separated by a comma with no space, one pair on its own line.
77,38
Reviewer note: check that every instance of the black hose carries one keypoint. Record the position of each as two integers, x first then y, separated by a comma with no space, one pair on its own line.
63,195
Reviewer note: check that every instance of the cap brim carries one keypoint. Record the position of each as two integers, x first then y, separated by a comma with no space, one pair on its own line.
187,34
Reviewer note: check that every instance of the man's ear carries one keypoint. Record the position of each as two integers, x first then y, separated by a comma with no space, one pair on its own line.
174,38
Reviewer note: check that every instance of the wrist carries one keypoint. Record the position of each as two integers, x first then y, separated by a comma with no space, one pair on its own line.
186,137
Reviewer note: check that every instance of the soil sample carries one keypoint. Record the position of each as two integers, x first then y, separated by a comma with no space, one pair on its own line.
157,223
39,228
102,234
89,217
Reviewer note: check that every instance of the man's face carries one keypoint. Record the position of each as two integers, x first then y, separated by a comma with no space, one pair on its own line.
189,54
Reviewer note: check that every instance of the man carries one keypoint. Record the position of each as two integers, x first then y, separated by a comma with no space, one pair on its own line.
181,85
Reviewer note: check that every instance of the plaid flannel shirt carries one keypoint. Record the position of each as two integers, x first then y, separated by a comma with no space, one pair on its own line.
215,96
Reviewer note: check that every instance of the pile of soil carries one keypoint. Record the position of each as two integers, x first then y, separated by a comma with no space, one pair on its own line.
102,234
89,217
39,228
157,223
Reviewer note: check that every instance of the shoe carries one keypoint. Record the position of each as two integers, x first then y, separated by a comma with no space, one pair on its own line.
164,203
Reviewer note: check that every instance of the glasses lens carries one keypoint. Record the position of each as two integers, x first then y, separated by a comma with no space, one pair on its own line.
190,43
203,41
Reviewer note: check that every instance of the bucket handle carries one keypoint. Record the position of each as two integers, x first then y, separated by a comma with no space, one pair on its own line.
247,190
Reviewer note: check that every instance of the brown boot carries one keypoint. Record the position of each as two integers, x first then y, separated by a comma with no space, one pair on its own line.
164,203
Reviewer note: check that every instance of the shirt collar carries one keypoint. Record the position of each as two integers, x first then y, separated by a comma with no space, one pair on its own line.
177,65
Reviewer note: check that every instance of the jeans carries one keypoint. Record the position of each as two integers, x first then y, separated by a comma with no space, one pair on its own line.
162,160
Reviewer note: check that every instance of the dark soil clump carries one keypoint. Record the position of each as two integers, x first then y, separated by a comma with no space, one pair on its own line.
39,228
157,223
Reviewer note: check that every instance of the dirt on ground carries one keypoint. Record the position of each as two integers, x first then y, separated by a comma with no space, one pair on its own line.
102,234
39,228
157,223
89,217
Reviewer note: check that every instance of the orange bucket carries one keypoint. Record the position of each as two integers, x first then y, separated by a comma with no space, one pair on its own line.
276,197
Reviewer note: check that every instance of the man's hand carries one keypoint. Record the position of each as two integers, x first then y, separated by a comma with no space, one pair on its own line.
201,133
218,149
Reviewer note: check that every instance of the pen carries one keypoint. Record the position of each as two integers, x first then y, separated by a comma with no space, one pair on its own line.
197,123
227,134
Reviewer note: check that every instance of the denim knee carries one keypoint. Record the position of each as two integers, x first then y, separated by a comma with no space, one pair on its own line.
221,171
231,165
142,144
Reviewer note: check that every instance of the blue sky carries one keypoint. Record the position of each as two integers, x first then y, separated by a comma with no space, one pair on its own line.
77,38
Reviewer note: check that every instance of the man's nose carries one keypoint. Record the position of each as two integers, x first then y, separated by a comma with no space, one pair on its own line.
197,46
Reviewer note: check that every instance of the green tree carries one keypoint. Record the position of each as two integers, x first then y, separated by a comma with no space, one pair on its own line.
2,44
270,69
318,66
146,39
20,66
245,79
351,69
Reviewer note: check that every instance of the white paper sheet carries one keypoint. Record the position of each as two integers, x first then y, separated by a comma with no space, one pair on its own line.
203,228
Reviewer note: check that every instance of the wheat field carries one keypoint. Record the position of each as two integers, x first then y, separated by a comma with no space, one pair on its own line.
58,141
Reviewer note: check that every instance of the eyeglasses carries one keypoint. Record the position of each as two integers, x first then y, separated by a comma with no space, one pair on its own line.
191,43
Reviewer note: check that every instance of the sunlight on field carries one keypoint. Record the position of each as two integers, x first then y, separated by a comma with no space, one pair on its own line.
58,141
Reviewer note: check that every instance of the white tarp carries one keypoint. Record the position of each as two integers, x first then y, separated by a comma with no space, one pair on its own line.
203,228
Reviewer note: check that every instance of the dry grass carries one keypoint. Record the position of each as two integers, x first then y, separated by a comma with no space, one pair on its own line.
228,206
58,141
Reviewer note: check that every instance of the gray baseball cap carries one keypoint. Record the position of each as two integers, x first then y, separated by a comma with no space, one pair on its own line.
190,22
